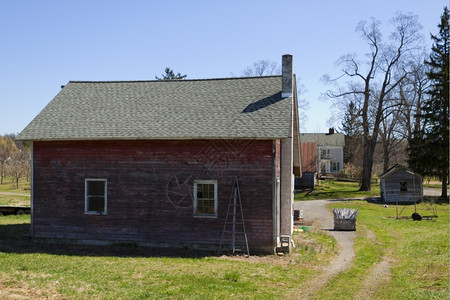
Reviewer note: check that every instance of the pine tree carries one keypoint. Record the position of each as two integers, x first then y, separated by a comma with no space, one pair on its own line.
429,148
352,123
170,75
351,127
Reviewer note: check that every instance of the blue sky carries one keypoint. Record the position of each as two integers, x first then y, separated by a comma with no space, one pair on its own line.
45,44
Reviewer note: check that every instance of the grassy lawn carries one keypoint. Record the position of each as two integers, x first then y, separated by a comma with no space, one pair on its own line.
15,200
328,189
419,251
9,186
33,270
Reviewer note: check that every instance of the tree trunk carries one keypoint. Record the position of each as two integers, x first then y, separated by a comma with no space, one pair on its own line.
386,156
444,186
367,166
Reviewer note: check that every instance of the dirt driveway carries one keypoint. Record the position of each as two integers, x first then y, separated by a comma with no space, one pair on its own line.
14,194
323,219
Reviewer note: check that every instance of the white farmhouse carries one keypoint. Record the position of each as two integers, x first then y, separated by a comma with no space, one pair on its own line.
330,150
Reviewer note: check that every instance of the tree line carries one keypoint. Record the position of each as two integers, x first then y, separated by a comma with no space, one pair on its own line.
394,98
15,160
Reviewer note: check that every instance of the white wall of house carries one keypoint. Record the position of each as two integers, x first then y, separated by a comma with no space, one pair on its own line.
331,159
330,150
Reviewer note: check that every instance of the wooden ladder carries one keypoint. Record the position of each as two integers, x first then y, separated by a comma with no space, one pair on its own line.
234,229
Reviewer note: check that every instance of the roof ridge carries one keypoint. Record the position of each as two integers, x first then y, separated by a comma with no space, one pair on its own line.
175,80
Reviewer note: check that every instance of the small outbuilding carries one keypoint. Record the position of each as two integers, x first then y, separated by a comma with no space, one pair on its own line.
309,166
398,184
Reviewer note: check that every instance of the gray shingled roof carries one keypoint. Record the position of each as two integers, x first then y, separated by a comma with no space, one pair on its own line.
177,109
323,139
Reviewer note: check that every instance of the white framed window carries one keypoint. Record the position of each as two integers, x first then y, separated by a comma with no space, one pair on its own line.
325,152
335,166
95,196
205,198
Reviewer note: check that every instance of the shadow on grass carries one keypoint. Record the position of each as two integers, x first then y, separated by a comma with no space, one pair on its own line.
14,230
14,238
428,200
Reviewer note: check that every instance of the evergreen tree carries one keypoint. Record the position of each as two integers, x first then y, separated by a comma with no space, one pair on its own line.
170,75
429,148
351,127
352,123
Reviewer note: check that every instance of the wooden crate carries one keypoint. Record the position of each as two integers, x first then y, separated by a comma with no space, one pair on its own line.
345,224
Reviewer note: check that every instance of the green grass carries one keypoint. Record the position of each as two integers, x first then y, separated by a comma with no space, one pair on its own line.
419,249
33,270
419,270
328,189
14,200
10,186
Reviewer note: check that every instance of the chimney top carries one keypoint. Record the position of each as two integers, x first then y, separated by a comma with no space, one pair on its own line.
331,130
287,71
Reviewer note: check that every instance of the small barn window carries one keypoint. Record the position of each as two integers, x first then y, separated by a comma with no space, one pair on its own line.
403,186
95,196
205,198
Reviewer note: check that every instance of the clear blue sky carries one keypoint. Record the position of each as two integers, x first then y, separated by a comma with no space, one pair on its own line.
45,44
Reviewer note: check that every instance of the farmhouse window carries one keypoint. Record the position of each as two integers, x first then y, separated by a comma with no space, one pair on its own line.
325,153
335,166
205,198
403,187
95,196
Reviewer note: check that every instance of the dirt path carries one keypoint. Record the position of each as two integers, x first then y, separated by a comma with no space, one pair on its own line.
378,275
14,194
431,191
322,218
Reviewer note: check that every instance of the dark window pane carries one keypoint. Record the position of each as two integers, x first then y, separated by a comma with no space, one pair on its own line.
96,188
205,206
205,199
96,203
95,195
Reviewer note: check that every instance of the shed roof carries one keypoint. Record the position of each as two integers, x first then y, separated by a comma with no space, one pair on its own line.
397,168
250,107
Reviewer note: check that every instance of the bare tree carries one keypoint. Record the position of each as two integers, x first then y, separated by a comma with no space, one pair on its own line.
7,148
411,93
391,137
262,67
375,78
18,164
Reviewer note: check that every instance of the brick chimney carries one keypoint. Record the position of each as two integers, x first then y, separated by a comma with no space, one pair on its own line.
331,130
286,66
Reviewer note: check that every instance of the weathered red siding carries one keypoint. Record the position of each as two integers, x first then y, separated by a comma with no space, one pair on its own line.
150,190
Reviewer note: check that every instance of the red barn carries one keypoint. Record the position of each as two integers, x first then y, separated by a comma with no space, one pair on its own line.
154,162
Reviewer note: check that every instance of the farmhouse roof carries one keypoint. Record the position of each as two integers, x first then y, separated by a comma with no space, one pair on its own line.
251,107
323,139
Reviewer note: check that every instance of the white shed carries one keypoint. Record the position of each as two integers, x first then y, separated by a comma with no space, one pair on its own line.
400,184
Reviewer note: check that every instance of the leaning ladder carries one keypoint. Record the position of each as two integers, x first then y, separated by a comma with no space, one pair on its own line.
236,223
